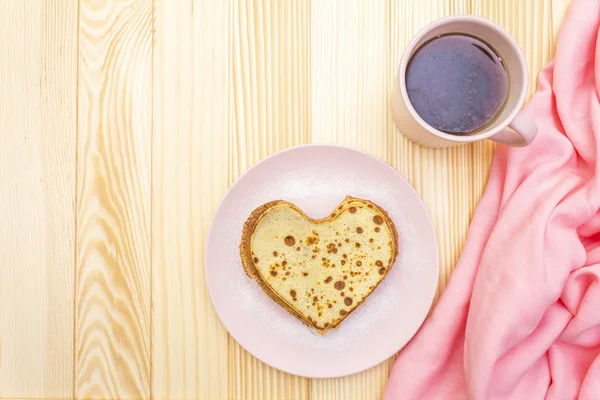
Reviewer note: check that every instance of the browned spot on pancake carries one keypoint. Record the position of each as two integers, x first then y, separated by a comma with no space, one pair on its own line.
343,262
255,259
381,271
345,255
273,273
339,285
314,256
377,229
370,205
284,263
371,240
331,248
298,248
342,294
359,230
293,293
311,240
379,263
345,276
378,220
328,279
275,254
329,305
340,207
348,301
347,240
289,240
357,244
343,312
339,244
352,289
287,273
359,263
284,278
352,210
305,273
315,298
326,325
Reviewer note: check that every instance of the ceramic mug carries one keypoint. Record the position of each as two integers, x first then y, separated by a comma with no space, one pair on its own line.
510,127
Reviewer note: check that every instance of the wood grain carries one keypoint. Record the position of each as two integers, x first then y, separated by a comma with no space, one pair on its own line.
436,174
38,71
270,87
113,280
349,105
190,176
357,80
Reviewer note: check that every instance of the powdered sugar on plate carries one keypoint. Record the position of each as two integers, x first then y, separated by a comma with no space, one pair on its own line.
316,179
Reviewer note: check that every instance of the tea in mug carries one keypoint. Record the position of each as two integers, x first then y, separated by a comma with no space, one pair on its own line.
457,83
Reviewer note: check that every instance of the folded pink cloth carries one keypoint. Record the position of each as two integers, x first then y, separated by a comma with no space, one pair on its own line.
520,317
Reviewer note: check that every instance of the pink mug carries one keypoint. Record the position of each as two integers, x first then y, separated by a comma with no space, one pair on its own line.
510,127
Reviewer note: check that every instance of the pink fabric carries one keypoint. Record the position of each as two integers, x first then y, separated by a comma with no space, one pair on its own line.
520,317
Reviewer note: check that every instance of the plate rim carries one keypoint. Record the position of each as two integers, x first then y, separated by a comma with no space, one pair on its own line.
431,226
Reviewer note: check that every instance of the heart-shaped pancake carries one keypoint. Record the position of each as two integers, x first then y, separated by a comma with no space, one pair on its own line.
320,270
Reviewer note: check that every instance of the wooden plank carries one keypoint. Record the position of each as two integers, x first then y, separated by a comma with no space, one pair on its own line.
349,99
38,71
349,91
190,176
270,111
113,280
440,176
356,49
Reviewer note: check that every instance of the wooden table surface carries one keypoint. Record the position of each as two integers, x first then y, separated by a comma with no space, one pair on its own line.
122,125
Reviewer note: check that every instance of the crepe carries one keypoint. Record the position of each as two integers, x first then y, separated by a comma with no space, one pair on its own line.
319,270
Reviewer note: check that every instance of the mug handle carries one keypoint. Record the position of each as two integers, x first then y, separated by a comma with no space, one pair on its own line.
519,133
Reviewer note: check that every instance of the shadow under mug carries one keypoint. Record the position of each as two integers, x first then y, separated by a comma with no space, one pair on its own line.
510,127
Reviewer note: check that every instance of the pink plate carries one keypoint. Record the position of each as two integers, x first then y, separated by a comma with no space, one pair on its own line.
316,178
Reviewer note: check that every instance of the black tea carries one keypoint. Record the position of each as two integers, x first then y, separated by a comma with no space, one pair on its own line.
456,83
